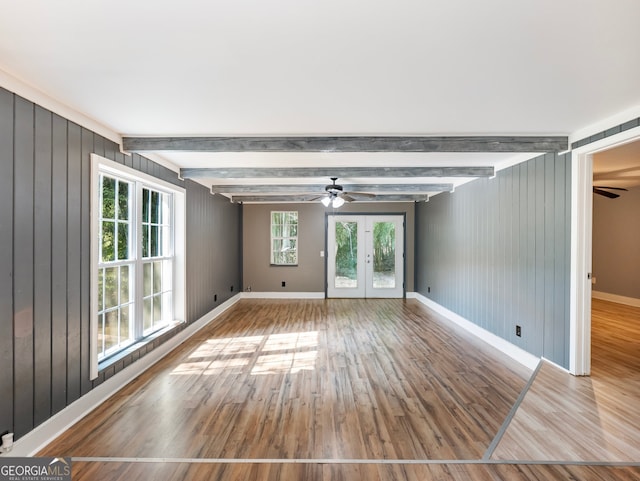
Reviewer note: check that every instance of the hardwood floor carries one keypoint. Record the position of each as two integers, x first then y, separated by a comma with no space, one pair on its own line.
585,418
349,472
318,390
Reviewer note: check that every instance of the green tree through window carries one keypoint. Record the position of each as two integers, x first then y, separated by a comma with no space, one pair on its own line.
125,315
284,238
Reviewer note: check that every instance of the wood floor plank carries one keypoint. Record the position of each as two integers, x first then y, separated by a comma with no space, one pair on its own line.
371,380
585,418
351,379
107,471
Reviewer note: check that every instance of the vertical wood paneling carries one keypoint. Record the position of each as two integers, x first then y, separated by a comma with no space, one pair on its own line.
144,164
493,222
110,149
74,256
550,258
516,253
23,266
502,293
135,161
120,158
540,233
42,266
85,249
556,328
523,264
6,259
98,145
529,323
45,267
59,266
213,238
501,246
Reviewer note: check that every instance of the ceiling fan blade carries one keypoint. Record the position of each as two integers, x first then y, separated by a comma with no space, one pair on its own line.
610,188
314,198
347,197
362,194
610,195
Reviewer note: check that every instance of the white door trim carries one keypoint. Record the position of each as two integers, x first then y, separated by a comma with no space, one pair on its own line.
365,287
581,248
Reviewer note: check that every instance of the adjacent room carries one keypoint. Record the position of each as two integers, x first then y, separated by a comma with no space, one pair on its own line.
280,241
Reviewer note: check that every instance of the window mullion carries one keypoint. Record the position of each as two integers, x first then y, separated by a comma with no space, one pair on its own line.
138,271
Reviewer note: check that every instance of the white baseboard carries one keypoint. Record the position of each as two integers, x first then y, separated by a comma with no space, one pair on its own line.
605,296
38,438
523,357
283,295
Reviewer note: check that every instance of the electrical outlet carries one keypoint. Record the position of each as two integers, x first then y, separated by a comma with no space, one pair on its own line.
428,289
518,331
231,288
215,297
284,284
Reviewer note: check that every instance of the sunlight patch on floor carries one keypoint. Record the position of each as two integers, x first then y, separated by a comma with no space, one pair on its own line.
258,355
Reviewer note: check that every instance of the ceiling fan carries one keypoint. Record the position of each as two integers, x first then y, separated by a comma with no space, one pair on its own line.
604,190
336,196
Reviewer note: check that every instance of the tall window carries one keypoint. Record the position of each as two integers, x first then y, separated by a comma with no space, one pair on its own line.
138,256
284,237
116,265
156,258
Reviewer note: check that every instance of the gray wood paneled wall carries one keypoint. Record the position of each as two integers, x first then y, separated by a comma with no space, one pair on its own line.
497,252
214,232
45,265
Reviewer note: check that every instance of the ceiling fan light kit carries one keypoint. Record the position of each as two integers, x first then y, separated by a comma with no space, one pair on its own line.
336,196
333,201
337,202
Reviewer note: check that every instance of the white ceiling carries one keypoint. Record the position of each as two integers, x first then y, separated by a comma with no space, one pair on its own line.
329,67
618,167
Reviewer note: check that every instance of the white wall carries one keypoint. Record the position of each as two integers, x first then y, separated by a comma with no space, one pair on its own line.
616,244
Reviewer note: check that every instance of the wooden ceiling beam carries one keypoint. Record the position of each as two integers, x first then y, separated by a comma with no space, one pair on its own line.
310,198
348,144
319,189
340,172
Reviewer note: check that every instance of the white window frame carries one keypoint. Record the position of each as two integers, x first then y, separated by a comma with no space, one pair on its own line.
101,165
271,258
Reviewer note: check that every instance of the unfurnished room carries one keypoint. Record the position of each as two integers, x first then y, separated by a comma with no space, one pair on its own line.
301,240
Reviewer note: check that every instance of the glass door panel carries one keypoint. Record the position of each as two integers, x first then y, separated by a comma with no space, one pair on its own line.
345,262
365,256
346,257
384,255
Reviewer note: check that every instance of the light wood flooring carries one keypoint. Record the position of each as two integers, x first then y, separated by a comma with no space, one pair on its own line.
338,389
595,418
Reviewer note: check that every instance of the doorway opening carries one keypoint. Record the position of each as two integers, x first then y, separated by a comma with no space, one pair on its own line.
615,308
582,246
365,256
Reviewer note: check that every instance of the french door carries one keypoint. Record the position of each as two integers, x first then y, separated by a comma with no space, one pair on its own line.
365,256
